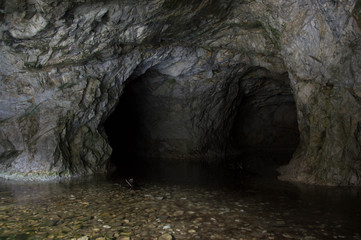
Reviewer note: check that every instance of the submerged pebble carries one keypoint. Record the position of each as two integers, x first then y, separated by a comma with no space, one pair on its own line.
103,210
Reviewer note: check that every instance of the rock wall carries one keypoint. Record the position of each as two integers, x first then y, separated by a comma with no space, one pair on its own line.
321,48
63,66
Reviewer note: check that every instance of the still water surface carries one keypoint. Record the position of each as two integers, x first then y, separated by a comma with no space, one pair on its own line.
184,201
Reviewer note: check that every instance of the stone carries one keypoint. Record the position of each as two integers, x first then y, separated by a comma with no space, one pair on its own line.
126,234
123,238
178,213
166,226
280,222
166,237
209,78
83,238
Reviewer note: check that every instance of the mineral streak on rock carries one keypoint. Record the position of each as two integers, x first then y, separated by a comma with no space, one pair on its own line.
64,64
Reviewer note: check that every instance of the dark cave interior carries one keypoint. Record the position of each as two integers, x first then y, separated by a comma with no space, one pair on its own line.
122,130
264,136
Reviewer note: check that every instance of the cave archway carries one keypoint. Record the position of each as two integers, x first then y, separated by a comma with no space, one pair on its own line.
265,129
122,129
159,125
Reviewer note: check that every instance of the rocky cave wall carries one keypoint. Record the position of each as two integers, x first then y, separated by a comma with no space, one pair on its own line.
63,66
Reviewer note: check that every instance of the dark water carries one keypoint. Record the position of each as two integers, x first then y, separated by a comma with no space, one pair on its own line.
199,174
186,201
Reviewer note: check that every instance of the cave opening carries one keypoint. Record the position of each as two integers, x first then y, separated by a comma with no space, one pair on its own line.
122,129
265,128
150,137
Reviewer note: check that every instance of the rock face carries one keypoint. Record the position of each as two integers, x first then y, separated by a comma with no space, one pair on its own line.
64,65
322,56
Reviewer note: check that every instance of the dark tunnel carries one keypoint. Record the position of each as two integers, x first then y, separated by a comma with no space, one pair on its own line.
263,137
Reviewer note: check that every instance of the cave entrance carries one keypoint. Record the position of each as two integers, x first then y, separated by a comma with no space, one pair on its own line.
265,129
123,130
151,135
155,128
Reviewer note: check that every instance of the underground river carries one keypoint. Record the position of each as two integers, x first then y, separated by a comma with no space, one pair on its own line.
182,201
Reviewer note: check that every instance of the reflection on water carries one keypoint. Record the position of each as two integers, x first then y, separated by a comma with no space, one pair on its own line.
186,201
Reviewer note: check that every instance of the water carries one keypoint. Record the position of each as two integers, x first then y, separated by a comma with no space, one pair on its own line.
186,201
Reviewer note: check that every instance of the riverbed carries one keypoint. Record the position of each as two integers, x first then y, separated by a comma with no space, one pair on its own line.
201,206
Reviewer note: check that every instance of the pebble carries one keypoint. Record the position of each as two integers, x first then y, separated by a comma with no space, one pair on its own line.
287,235
123,238
178,213
113,212
127,234
166,237
280,222
83,238
166,227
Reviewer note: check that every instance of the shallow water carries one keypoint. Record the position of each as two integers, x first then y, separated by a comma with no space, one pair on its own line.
183,201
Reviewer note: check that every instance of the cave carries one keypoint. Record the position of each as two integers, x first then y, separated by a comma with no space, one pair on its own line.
265,129
123,129
180,119
150,130
228,69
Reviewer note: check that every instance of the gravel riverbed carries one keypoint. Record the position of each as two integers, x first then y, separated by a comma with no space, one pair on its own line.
108,209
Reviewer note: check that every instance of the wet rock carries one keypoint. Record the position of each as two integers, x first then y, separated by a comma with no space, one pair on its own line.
166,237
83,238
166,227
178,213
123,238
127,234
